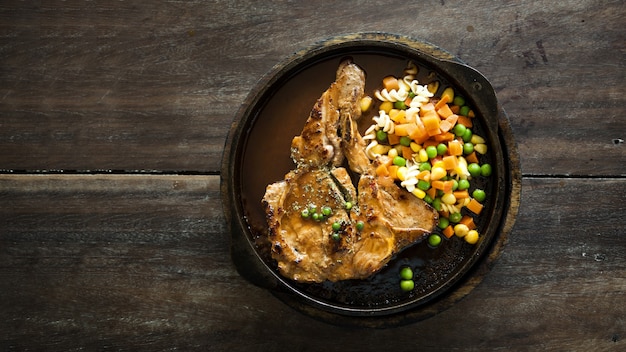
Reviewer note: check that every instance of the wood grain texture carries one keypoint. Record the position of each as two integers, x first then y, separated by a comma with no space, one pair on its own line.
142,86
141,262
113,119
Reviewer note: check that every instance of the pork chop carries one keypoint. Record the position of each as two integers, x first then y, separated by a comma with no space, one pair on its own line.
350,242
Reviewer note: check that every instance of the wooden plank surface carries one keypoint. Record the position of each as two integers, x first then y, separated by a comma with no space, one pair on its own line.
147,267
113,119
141,86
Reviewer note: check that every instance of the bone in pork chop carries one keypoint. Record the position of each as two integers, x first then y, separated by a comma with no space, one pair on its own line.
335,246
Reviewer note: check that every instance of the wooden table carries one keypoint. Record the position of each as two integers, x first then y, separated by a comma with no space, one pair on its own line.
113,117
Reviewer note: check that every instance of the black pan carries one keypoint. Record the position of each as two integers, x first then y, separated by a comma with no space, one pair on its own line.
257,153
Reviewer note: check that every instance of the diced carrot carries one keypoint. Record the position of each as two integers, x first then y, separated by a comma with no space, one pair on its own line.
404,129
471,114
393,138
432,192
468,221
444,111
393,171
437,184
429,142
445,126
461,194
431,122
450,162
448,231
444,136
391,82
419,135
407,153
455,109
472,158
427,108
381,170
465,121
474,206
423,175
452,119
399,116
408,100
455,148
443,101
445,186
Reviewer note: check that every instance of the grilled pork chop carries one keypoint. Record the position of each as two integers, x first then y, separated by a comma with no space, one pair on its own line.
345,242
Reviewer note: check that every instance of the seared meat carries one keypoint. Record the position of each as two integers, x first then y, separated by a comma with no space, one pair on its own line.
335,246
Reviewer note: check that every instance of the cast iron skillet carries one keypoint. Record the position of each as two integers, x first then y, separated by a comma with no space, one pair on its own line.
257,151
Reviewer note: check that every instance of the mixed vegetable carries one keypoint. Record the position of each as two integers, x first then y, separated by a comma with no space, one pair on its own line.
426,143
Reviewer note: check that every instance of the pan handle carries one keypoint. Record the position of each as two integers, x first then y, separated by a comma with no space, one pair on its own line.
477,85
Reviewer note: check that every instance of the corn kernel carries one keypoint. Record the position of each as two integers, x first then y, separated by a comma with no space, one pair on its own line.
423,156
471,237
449,92
419,193
386,106
415,147
461,230
476,139
480,148
402,172
437,173
448,198
380,149
393,152
365,103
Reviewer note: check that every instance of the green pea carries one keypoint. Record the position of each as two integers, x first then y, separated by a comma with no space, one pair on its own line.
381,135
437,203
360,225
399,105
434,240
431,151
423,185
485,170
441,149
406,273
463,185
455,185
317,216
467,135
326,211
464,110
459,130
405,141
336,236
455,217
425,167
348,205
443,222
336,226
474,169
479,195
458,100
407,285
468,148
428,199
305,213
399,161
411,94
